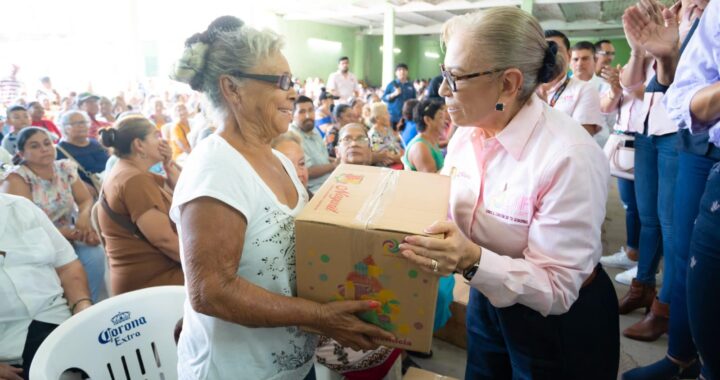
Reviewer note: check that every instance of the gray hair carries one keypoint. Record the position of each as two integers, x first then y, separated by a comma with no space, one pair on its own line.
285,137
228,45
508,38
64,119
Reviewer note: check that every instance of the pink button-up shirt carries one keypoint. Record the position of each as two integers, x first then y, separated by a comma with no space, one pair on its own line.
534,198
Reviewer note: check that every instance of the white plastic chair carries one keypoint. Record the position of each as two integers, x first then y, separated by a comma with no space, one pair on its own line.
126,337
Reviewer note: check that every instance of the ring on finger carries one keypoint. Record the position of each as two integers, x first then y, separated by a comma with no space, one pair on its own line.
434,265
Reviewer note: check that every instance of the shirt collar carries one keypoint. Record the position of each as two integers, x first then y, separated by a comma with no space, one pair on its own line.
516,134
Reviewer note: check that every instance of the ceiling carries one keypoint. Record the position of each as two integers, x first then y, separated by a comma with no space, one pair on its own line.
578,18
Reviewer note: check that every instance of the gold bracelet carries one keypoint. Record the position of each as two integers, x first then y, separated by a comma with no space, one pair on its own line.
72,309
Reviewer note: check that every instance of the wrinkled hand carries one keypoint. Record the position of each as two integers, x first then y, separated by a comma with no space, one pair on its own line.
84,231
453,252
652,27
612,76
337,320
165,152
8,372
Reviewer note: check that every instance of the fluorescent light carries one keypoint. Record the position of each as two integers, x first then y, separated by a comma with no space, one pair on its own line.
395,50
324,45
432,54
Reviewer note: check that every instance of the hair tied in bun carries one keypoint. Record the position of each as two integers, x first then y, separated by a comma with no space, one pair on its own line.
547,70
222,24
108,136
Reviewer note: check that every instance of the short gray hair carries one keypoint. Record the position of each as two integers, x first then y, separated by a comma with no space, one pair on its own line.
64,119
285,137
227,45
507,37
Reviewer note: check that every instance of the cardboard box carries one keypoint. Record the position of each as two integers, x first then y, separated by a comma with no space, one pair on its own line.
347,241
421,374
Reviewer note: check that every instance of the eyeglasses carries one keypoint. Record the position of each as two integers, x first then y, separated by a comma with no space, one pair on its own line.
453,79
284,82
361,140
606,53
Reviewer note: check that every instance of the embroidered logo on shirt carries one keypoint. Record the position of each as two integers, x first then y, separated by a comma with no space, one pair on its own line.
510,206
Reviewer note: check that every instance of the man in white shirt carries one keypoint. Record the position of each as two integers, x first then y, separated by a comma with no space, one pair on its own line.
343,83
317,158
42,283
575,97
583,65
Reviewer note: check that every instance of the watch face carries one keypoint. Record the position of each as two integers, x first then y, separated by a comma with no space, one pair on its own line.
470,272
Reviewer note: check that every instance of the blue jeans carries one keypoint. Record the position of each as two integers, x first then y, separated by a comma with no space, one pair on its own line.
655,172
93,260
626,188
518,343
702,281
693,171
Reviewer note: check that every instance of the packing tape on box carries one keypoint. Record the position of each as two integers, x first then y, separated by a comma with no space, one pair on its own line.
374,206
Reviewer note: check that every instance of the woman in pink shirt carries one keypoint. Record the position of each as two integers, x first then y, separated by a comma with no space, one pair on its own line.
529,188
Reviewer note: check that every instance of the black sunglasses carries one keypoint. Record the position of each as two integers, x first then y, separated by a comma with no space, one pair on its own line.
453,79
284,82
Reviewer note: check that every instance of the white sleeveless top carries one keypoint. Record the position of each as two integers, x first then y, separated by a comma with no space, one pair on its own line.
211,348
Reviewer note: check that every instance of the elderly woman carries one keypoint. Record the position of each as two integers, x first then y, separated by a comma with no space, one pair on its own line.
235,205
290,144
54,186
529,187
141,241
77,146
383,139
42,283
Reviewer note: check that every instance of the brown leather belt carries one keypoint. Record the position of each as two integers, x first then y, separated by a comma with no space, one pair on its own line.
590,278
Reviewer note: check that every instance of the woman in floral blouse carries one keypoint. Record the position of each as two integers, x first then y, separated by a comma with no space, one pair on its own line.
54,186
383,138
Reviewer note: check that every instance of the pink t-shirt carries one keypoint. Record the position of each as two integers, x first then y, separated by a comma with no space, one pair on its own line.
534,198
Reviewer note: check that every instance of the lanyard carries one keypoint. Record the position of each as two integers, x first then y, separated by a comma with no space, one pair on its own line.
559,92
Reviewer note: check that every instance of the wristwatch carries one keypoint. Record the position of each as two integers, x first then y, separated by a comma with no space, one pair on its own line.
468,273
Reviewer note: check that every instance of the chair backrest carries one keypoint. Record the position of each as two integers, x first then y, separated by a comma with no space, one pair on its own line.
129,336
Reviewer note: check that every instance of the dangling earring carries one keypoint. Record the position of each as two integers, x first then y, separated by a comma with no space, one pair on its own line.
500,107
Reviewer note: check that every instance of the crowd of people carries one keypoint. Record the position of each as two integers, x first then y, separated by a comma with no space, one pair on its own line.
93,188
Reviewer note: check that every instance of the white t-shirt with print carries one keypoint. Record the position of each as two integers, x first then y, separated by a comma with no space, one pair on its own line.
580,100
211,348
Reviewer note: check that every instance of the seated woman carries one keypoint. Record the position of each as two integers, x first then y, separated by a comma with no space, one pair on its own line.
179,131
342,115
290,144
77,146
42,283
407,127
324,114
423,153
383,138
54,186
141,241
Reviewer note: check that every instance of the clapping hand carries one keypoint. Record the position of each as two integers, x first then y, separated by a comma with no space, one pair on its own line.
652,27
612,76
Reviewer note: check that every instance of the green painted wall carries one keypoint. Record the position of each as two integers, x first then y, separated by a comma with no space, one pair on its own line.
306,61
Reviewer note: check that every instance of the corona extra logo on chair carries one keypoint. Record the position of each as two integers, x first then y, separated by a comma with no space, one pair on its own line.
125,329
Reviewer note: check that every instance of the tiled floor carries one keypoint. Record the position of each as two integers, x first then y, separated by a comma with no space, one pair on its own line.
449,360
